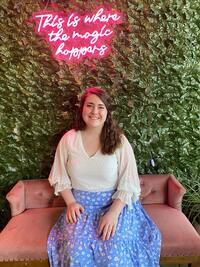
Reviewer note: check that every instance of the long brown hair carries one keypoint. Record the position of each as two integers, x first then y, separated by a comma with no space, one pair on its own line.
110,137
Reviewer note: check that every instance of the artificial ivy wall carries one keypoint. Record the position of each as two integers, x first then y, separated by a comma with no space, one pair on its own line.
152,73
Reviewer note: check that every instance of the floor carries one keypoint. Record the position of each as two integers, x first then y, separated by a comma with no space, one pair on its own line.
175,265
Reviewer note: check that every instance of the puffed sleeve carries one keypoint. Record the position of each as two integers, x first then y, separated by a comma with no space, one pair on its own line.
58,177
128,188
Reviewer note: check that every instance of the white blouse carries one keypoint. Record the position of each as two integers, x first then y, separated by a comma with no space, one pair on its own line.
73,168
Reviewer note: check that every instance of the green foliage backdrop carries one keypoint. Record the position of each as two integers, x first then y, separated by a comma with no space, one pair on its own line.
152,74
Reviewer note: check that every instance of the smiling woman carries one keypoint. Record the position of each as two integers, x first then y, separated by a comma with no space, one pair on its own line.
95,171
94,112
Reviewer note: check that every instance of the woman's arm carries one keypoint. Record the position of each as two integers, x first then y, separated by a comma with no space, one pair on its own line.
61,181
128,189
68,196
108,223
74,209
117,206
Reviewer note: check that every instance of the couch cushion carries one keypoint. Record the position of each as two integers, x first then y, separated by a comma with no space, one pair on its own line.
25,236
179,238
58,201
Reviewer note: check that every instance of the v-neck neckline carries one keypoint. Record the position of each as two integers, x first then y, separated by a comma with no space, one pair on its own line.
83,148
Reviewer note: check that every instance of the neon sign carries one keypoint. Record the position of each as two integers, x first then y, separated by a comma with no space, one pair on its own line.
73,37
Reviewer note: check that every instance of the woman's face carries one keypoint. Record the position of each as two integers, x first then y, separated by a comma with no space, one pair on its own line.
94,112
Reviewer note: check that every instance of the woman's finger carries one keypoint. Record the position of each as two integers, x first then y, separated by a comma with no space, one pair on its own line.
108,234
69,217
73,216
66,216
78,213
113,230
81,209
101,226
104,234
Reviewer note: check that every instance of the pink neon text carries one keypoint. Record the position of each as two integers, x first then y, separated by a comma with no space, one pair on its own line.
73,37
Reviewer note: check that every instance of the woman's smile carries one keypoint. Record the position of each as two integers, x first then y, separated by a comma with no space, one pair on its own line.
94,112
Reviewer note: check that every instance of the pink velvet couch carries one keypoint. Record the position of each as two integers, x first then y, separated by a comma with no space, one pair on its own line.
35,209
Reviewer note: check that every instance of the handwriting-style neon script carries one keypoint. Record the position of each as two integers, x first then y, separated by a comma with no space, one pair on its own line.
73,37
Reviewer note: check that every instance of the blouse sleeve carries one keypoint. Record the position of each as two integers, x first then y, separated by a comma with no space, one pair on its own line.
128,188
58,177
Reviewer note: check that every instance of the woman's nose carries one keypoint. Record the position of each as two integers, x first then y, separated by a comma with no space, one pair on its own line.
94,110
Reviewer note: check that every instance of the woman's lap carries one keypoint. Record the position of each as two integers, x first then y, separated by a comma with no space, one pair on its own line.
136,242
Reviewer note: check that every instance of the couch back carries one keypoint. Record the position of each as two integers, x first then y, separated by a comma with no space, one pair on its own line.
38,193
154,188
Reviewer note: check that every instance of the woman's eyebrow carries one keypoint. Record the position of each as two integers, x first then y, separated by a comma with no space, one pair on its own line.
91,103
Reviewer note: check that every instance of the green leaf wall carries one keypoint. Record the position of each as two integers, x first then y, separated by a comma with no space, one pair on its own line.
152,75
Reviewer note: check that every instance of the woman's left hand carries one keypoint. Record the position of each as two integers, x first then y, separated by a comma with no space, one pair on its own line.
107,225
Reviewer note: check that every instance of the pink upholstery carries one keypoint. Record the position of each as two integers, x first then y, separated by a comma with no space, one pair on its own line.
29,194
25,236
154,189
38,194
161,189
179,237
175,193
35,209
26,194
16,198
58,202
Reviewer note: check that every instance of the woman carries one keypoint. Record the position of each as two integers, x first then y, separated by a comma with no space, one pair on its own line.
95,171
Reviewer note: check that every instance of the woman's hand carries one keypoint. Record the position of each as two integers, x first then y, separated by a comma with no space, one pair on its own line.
108,225
74,210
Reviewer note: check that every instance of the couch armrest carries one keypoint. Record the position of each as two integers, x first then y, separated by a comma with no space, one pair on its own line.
175,192
29,194
16,198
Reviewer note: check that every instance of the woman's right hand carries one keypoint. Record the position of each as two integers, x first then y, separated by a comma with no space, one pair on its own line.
74,210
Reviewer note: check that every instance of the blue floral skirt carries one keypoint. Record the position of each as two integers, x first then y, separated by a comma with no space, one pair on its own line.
136,242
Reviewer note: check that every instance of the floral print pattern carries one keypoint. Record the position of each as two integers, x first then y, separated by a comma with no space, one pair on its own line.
136,242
